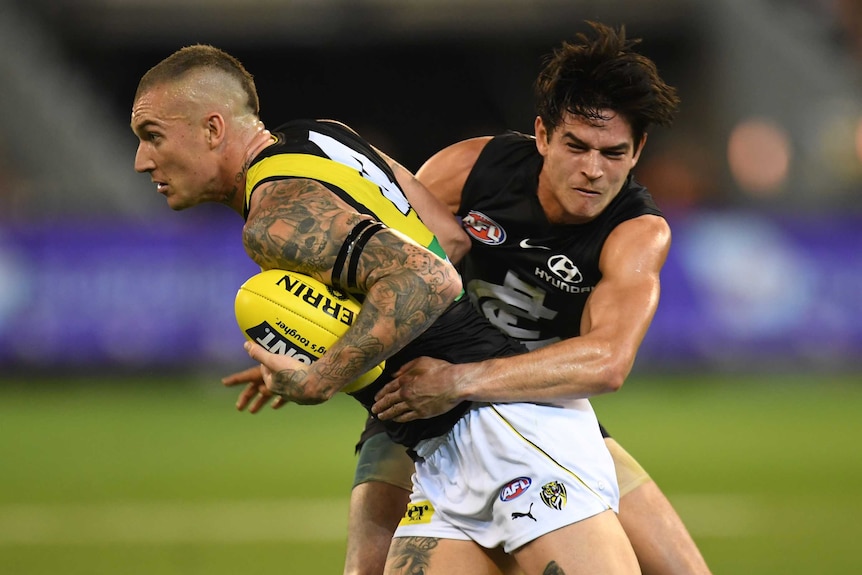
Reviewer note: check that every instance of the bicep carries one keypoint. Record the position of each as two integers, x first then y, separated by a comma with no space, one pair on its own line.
445,173
622,305
297,224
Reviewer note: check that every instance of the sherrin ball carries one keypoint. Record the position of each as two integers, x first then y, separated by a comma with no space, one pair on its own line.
296,315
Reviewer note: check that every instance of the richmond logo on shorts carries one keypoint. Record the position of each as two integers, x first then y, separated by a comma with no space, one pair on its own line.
554,495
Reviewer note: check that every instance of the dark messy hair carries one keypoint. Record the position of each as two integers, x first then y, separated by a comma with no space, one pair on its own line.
200,57
603,72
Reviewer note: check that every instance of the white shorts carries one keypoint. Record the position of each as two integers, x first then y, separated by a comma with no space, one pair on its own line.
507,474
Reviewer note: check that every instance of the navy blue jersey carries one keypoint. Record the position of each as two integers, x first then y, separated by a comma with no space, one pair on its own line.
529,277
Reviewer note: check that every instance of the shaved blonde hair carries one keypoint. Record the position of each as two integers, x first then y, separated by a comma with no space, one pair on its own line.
205,64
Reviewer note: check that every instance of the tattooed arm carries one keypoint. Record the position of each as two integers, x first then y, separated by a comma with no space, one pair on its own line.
299,225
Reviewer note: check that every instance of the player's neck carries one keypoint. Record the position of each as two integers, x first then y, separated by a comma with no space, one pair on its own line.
261,139
254,145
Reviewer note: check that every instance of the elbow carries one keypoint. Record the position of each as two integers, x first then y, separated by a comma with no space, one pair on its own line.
613,374
614,381
254,235
456,287
457,247
451,286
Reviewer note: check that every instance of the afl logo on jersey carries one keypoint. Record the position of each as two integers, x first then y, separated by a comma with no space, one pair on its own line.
483,228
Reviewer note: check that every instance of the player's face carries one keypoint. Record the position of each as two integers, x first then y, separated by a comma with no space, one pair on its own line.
174,147
586,164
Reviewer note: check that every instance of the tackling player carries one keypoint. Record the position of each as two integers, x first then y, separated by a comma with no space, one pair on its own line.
566,253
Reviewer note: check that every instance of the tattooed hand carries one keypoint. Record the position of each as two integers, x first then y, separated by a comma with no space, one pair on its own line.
286,377
301,225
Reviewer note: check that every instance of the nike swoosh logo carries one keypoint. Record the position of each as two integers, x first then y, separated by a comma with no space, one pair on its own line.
527,245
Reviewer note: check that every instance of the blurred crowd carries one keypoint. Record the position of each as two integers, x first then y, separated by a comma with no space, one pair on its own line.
736,143
766,152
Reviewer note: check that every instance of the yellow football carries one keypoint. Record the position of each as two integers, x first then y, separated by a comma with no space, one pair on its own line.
296,315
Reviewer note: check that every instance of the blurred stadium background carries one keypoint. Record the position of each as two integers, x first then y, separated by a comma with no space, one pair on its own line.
121,453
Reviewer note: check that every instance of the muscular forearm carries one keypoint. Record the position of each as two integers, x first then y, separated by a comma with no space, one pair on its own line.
426,387
559,371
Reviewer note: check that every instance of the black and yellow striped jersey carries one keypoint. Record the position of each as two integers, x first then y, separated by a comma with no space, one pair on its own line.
338,158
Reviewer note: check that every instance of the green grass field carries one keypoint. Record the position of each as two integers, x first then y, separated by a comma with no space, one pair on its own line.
125,476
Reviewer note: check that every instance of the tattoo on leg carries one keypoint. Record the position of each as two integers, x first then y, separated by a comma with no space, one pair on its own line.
553,569
410,555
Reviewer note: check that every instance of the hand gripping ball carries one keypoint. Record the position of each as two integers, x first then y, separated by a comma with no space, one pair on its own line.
293,314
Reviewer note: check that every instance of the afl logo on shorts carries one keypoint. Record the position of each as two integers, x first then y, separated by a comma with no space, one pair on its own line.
515,488
483,228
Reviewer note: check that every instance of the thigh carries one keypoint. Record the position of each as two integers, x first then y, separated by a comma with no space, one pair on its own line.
658,535
377,502
375,509
383,460
630,473
595,545
429,556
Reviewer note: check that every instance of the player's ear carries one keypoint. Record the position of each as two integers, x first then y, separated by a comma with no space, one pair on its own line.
215,127
638,149
541,132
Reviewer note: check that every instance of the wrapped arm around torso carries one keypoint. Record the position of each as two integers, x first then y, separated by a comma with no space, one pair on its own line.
300,225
